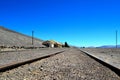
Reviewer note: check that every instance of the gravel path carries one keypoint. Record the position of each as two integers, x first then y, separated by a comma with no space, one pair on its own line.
69,65
111,55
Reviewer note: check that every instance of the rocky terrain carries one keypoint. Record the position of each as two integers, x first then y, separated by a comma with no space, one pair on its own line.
12,38
109,55
69,65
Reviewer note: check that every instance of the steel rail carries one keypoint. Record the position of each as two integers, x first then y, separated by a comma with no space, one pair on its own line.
111,67
13,65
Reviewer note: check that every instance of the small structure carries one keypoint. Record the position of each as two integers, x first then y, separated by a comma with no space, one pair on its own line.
52,44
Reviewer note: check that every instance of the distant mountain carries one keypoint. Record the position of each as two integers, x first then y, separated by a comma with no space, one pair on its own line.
13,38
109,46
104,46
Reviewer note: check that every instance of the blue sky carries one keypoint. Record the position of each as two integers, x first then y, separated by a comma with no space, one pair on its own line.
79,22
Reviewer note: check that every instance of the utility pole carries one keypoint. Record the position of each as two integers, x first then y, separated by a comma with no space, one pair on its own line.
32,37
116,38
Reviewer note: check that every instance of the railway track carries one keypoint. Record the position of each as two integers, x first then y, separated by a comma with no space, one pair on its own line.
72,62
13,65
112,67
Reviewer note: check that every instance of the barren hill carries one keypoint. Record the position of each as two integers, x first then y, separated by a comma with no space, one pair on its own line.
13,38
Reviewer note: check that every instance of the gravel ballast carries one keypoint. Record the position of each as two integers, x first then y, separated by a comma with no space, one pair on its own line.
69,65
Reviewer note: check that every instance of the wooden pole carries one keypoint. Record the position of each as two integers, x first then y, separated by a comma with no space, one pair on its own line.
32,37
116,38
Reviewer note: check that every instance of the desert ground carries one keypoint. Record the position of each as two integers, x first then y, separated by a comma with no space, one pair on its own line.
72,64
